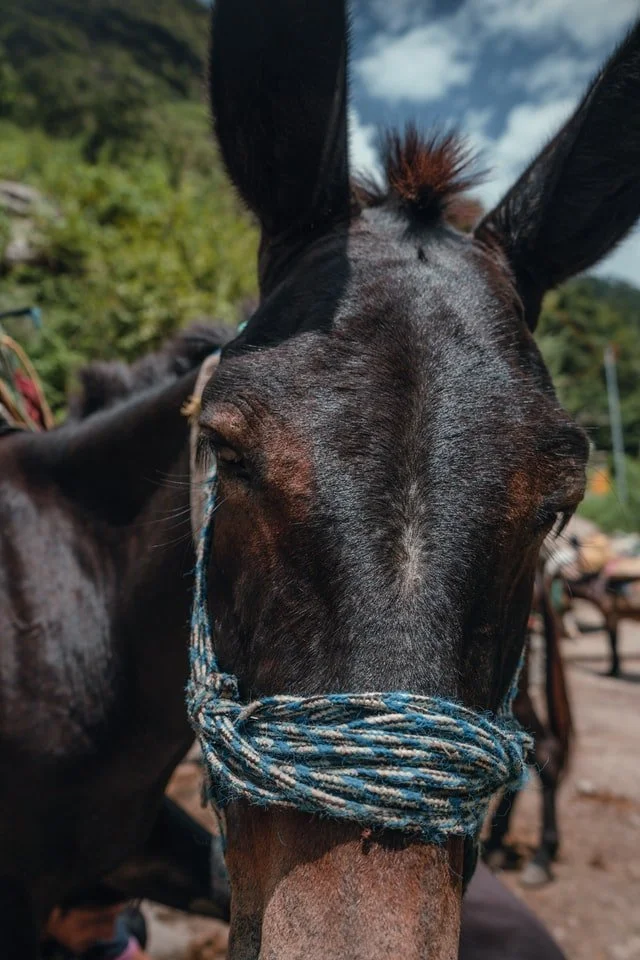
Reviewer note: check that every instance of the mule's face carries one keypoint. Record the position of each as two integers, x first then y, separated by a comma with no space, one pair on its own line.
385,479
390,451
386,475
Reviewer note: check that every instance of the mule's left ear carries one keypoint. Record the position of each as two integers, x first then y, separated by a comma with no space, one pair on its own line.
582,194
279,101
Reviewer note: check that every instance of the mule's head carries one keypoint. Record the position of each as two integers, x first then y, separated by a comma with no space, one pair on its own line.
390,449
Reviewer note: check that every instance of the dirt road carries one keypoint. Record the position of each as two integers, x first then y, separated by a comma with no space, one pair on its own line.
593,907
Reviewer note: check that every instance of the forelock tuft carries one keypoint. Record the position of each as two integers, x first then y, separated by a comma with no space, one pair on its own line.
426,177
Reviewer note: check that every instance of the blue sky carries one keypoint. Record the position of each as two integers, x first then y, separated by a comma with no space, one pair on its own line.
506,72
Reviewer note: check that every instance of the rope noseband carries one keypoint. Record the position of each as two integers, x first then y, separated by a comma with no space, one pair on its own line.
385,760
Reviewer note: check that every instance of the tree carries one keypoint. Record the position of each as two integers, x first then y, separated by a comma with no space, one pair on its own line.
577,323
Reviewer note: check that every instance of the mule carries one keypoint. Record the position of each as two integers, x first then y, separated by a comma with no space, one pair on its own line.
615,594
95,565
599,572
390,449
551,752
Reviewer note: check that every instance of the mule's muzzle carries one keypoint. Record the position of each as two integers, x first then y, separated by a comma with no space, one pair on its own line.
311,889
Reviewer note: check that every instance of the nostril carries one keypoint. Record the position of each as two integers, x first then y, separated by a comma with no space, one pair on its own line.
366,837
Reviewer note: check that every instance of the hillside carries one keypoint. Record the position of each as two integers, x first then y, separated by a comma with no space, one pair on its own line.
138,231
66,64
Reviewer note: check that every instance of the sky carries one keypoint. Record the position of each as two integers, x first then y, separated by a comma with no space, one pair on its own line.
505,72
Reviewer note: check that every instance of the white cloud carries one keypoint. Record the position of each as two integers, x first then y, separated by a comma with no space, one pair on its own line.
422,64
399,15
556,75
527,129
476,119
419,61
623,263
362,152
588,22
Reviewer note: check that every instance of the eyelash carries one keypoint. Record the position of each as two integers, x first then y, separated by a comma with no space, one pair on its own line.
561,523
205,453
208,448
555,522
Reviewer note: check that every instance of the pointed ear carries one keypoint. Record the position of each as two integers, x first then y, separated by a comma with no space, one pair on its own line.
581,196
279,100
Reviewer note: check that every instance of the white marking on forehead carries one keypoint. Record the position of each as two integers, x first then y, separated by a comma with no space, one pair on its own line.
411,550
412,556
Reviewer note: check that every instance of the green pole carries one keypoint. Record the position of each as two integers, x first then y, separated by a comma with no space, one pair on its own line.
615,421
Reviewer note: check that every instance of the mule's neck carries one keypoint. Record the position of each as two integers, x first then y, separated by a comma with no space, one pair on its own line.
153,609
114,463
127,471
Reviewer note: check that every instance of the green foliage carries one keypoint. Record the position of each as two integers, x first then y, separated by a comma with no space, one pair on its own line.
83,66
609,512
577,323
100,108
132,251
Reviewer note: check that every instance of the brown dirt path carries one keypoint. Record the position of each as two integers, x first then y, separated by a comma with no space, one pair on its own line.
593,907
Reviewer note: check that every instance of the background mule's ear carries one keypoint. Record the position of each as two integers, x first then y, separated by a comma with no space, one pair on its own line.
582,194
278,94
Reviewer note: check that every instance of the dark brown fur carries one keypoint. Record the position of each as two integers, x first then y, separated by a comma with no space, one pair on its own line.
104,383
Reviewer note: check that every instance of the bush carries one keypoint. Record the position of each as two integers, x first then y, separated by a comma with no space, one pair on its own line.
132,252
577,324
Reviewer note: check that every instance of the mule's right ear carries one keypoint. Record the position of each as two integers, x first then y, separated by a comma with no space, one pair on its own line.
581,196
279,100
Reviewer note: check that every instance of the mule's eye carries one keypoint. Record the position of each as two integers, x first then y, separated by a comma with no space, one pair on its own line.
229,459
227,455
554,520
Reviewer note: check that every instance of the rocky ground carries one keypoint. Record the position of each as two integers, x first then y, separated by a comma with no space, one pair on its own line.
593,905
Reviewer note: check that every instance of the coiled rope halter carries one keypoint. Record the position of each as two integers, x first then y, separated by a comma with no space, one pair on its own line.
396,761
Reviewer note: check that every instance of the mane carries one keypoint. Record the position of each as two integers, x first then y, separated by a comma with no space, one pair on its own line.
104,384
426,177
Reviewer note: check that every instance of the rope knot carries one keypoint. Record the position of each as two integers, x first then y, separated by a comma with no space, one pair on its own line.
224,686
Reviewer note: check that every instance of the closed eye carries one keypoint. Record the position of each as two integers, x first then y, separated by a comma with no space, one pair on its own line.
227,454
228,458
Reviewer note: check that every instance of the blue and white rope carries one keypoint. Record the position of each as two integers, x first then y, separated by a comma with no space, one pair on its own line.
386,760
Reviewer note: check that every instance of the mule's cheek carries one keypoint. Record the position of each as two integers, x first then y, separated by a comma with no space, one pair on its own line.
306,889
245,541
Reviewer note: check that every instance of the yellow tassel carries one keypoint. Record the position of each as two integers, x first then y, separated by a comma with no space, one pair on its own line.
191,408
